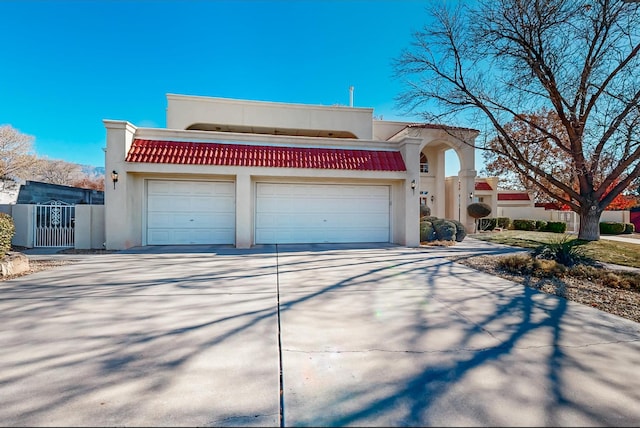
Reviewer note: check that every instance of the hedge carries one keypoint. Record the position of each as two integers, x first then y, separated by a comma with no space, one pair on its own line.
556,227
524,224
611,228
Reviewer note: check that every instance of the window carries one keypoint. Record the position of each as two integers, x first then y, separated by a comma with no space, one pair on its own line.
424,164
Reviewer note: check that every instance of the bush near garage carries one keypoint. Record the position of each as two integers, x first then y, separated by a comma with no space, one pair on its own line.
629,228
437,230
7,231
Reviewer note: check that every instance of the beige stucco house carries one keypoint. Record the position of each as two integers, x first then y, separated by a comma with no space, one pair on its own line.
245,173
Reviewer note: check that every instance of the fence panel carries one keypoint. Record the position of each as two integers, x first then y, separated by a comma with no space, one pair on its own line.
54,225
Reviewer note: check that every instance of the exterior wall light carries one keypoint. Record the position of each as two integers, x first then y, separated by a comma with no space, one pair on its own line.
114,177
432,198
470,195
413,185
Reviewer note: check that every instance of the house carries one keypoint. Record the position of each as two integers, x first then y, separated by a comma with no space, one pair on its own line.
245,173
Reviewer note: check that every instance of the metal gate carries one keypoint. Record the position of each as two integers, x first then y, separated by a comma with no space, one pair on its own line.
54,224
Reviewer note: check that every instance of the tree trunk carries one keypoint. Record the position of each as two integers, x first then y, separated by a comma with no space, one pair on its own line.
590,224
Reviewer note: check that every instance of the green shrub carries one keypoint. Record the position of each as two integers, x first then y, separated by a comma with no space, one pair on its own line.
427,232
503,222
565,250
445,230
541,225
478,210
629,228
556,227
461,231
611,228
425,211
7,230
524,224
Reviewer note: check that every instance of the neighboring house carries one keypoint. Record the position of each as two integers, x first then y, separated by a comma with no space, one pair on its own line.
249,172
503,203
35,192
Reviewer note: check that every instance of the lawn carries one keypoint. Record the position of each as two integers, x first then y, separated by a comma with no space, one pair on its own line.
604,250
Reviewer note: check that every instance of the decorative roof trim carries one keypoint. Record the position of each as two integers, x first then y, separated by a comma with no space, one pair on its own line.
227,154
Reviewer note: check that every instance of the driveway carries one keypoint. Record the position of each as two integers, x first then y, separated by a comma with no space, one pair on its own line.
306,336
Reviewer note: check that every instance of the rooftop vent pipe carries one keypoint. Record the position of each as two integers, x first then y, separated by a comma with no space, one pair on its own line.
350,96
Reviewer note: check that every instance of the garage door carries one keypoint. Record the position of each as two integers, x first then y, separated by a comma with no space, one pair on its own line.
318,213
190,212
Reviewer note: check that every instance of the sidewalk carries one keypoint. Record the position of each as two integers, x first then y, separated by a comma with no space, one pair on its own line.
631,239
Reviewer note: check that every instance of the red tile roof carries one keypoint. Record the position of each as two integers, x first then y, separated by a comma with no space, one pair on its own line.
515,196
483,185
192,153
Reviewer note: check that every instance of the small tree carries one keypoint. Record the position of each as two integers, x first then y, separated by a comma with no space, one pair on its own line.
478,210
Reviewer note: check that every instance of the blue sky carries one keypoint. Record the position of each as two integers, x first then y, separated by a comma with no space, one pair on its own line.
67,65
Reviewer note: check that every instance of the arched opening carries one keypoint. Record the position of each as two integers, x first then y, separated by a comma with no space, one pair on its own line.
424,164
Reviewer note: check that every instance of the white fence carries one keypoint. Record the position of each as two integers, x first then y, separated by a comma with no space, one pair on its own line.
54,224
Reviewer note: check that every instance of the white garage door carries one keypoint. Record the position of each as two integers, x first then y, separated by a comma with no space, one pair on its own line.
190,212
318,213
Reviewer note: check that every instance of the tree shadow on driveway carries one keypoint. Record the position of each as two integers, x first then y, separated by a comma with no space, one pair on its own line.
387,336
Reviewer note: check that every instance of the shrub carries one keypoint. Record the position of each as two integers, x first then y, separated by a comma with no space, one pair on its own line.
425,211
611,228
540,225
478,210
525,264
7,230
503,222
629,228
461,231
445,230
564,250
524,224
427,232
556,227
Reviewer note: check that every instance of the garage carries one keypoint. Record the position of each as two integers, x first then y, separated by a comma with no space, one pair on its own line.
321,213
190,212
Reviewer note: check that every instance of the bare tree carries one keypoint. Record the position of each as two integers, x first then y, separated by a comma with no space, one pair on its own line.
55,172
502,60
16,153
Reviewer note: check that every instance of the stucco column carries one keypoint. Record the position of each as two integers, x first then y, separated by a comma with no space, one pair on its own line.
409,223
439,189
244,211
116,195
467,187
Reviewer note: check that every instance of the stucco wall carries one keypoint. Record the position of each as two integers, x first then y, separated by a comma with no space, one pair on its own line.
184,111
89,227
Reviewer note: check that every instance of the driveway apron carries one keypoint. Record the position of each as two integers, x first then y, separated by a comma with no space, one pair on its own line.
306,335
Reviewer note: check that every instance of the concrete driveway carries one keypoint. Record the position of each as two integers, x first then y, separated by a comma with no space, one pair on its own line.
306,336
